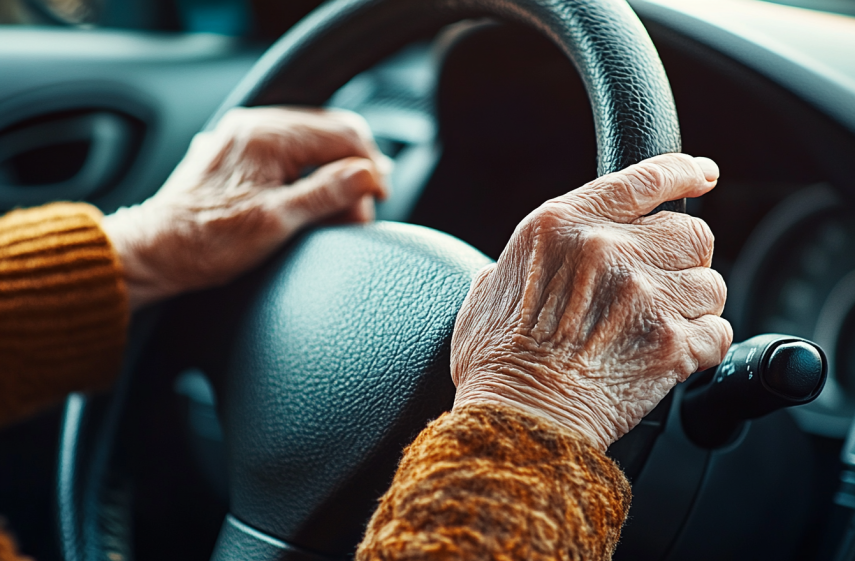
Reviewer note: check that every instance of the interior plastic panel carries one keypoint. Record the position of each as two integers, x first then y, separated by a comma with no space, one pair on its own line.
168,83
807,52
87,152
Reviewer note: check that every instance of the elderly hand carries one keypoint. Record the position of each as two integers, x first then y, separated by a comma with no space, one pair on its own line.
238,195
594,310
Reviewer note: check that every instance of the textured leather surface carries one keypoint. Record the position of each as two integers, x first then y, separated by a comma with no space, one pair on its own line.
634,110
341,358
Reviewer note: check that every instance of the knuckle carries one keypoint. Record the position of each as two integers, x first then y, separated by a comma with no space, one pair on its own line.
353,122
667,220
666,225
632,282
320,200
627,189
652,173
235,118
719,335
545,219
258,143
201,140
702,237
709,290
335,187
598,245
718,287
669,335
352,138
648,177
356,176
624,187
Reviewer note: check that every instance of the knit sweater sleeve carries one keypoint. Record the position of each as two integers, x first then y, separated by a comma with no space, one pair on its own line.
63,306
491,482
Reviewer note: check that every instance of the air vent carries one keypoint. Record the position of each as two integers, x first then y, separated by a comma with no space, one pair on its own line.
66,156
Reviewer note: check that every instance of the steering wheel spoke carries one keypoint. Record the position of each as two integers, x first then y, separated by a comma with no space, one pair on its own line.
240,542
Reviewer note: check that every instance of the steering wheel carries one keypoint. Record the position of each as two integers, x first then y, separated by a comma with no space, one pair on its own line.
330,358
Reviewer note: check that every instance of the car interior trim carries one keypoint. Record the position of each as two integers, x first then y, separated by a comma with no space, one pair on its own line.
761,39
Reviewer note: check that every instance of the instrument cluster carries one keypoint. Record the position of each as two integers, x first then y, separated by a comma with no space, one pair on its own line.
796,275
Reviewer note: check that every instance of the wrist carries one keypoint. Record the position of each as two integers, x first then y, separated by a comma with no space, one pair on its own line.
576,413
133,236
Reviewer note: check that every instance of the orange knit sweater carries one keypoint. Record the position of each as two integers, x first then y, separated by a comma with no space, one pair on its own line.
63,306
63,311
494,483
484,482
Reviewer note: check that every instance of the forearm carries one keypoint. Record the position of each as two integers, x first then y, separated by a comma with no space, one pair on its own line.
63,306
492,482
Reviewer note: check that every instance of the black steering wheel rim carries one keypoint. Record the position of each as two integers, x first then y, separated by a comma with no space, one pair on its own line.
635,118
634,113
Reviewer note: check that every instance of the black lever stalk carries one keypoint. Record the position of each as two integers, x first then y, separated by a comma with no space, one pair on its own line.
758,376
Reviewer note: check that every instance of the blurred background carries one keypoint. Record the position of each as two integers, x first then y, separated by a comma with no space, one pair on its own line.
247,18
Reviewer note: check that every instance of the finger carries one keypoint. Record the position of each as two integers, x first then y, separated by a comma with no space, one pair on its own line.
673,241
332,189
363,211
351,123
635,191
358,123
709,338
694,292
360,213
305,137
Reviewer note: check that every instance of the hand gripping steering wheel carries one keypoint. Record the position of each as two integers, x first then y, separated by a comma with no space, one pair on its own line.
329,359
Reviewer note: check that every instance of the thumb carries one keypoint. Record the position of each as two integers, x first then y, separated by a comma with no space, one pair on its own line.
330,190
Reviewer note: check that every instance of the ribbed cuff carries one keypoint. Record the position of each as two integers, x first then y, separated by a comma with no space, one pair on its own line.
493,482
63,306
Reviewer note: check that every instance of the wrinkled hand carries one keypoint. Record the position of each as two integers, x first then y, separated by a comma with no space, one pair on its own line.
594,311
238,195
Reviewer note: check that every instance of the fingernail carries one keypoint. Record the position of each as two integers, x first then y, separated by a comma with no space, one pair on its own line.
709,167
